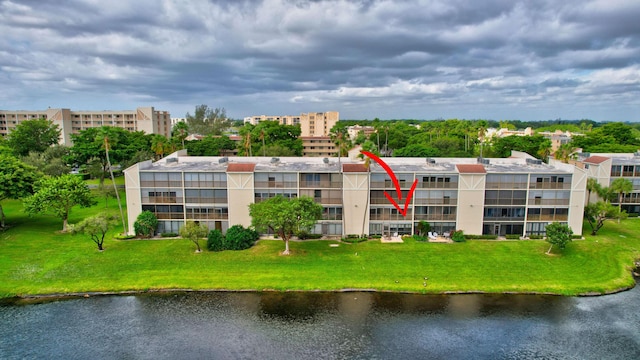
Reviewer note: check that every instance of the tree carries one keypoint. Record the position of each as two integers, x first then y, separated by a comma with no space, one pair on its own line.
58,196
16,181
96,227
33,135
146,224
592,186
215,240
194,231
621,186
423,227
89,147
596,214
559,235
208,121
180,132
51,162
285,216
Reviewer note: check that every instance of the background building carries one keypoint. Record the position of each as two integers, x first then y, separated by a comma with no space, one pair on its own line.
519,195
145,119
311,124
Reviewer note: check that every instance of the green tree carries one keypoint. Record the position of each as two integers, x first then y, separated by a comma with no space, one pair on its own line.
597,213
416,150
208,121
210,146
51,162
274,137
621,186
285,216
58,196
16,181
179,132
535,145
96,227
89,147
558,235
146,224
194,232
592,187
423,227
33,135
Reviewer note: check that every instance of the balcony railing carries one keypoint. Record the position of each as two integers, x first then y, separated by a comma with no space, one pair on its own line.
547,217
504,218
161,200
439,201
505,201
441,217
548,201
500,185
206,200
276,184
437,185
327,200
550,185
213,216
205,184
164,216
321,184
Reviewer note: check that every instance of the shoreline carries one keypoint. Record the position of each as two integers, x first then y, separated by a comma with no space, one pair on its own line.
44,298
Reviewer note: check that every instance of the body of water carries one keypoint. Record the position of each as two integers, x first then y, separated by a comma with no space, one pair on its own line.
324,326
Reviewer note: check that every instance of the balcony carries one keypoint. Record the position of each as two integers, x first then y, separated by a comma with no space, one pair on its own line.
276,184
321,184
557,217
436,217
161,200
550,185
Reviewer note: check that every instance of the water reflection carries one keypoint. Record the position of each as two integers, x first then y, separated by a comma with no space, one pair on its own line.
295,325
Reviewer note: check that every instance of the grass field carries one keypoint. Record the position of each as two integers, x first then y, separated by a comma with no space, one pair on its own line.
36,259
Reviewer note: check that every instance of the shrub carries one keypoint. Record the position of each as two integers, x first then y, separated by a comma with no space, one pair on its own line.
303,235
483,237
536,236
512,236
215,240
420,238
354,240
574,236
168,234
458,236
146,224
239,238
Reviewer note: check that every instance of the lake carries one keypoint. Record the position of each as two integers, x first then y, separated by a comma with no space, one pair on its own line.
354,325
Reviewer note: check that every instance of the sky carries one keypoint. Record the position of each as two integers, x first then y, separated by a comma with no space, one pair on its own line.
412,59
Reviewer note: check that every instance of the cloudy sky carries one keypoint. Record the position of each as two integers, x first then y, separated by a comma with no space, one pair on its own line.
490,59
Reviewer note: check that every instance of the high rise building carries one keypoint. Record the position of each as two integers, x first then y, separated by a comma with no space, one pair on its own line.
145,119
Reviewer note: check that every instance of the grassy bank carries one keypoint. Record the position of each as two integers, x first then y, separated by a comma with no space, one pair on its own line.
35,259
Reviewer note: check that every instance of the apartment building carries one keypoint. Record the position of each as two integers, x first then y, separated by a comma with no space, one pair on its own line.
311,124
145,119
606,168
318,146
486,196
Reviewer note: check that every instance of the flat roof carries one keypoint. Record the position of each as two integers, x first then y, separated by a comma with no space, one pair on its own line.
330,165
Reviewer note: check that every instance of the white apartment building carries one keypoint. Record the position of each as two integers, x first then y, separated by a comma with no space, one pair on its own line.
145,119
518,195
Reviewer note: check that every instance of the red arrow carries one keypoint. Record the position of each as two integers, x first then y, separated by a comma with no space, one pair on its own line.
396,183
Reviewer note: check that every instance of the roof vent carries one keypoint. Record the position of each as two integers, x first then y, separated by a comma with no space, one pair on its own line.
275,160
431,161
223,160
326,161
483,161
172,160
534,161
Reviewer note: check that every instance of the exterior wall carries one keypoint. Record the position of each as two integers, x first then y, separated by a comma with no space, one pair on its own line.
311,124
240,193
71,122
356,207
318,146
134,196
508,199
471,203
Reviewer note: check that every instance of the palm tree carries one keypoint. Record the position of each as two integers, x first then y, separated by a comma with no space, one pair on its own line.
113,180
621,186
564,152
592,186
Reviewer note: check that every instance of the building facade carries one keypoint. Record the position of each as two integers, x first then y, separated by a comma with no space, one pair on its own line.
606,168
311,124
145,119
492,196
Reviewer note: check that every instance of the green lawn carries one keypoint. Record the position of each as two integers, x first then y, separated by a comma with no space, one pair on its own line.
107,181
35,259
